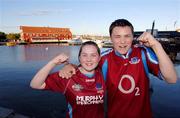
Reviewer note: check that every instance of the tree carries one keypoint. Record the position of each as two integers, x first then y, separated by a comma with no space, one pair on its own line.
17,36
13,36
2,36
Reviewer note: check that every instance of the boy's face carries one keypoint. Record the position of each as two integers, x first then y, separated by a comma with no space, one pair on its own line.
122,38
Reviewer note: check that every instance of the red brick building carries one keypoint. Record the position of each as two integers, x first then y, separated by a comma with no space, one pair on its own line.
44,34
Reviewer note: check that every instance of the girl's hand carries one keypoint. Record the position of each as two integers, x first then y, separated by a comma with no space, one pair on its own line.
60,59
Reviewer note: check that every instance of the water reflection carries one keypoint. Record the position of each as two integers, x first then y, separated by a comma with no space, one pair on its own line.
39,52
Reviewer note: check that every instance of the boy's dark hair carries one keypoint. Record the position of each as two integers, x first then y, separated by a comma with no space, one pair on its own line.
120,23
89,43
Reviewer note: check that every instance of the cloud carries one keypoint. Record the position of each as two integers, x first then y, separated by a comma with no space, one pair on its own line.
36,13
44,12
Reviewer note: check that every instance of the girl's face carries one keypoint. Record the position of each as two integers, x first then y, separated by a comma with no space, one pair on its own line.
89,58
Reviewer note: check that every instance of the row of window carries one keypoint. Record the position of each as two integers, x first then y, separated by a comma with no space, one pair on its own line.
46,35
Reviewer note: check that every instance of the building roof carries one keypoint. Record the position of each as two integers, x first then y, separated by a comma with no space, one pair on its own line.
30,29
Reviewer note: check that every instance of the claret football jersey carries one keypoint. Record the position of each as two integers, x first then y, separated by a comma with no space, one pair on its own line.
84,95
127,82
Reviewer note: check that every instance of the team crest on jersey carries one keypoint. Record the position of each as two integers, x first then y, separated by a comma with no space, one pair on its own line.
77,87
99,88
134,60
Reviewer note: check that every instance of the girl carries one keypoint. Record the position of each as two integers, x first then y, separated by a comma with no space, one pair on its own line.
84,91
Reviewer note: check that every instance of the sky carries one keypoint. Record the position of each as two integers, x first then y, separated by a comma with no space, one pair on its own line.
91,17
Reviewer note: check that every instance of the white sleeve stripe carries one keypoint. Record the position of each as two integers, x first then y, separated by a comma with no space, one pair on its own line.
150,54
151,58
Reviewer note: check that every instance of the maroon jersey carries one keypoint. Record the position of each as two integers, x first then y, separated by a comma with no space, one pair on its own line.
127,82
84,95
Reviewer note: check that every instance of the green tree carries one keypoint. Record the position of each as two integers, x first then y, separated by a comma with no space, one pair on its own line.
2,36
13,36
17,36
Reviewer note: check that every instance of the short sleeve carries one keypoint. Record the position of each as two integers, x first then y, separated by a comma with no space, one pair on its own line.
153,63
56,83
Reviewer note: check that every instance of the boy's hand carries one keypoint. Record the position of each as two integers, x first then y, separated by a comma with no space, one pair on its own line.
67,71
148,40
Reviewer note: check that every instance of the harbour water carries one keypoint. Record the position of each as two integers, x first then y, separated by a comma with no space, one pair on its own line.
18,64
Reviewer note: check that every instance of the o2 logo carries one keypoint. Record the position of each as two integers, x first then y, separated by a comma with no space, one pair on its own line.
132,88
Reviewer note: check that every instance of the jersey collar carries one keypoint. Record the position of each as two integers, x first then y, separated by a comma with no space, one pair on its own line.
124,56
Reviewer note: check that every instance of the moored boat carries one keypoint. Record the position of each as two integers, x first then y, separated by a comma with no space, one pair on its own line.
75,42
11,43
